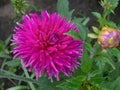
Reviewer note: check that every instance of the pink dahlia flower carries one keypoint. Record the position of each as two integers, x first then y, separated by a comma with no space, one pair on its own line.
43,45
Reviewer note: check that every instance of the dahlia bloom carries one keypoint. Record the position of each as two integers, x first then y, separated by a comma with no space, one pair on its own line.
43,45
109,38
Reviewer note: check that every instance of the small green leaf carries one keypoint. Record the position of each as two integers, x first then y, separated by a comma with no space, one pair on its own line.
74,34
63,9
97,80
110,62
7,74
115,52
78,20
19,88
86,63
83,31
73,83
7,40
86,21
13,63
92,35
115,84
97,15
88,46
94,73
112,24
95,29
80,23
45,84
102,60
100,63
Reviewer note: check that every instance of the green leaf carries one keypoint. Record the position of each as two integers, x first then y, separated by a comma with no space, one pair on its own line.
73,83
19,88
88,46
76,81
78,20
80,23
86,63
97,15
7,74
46,84
96,80
112,24
115,85
111,4
115,52
3,51
100,63
63,9
86,21
110,62
13,63
7,40
103,22
74,34
95,29
83,31
102,60
92,35
95,73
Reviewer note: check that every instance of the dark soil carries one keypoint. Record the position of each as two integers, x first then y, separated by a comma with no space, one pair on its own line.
82,7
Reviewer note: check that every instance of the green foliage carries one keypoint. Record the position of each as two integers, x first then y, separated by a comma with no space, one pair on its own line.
115,84
92,35
115,52
74,34
73,83
2,86
20,6
10,75
109,5
96,30
45,84
13,63
81,24
19,88
99,70
63,9
86,62
4,49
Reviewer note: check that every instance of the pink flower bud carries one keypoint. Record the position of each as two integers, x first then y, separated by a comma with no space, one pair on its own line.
109,37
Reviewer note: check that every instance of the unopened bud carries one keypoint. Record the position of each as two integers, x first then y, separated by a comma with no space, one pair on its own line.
109,37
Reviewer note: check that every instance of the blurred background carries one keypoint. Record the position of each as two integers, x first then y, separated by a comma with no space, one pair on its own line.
82,8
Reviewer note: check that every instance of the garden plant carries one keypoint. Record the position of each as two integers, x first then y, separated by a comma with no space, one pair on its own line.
58,51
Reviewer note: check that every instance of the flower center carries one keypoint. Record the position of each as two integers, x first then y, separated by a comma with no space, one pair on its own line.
111,40
53,39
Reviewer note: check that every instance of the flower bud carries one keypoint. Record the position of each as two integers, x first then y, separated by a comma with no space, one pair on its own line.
109,37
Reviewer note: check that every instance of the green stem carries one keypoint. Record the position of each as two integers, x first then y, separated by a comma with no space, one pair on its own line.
20,80
3,64
27,75
7,74
32,75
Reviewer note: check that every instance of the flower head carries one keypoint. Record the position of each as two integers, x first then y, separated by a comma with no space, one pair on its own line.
109,38
43,45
